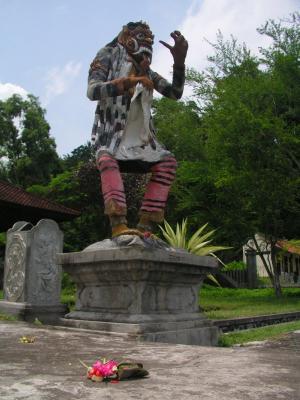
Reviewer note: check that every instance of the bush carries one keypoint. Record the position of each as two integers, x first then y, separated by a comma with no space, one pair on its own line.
67,285
234,266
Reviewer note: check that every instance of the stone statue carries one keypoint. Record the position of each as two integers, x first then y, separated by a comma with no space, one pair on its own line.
121,81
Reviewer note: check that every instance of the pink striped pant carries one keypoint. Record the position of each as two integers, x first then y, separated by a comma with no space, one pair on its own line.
155,198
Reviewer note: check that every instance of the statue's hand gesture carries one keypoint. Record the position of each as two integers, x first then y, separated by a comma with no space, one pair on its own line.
179,49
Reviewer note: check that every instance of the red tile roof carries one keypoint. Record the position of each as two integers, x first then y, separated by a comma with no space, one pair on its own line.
15,195
289,247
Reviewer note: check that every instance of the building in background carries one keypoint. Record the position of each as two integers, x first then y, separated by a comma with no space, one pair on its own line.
287,259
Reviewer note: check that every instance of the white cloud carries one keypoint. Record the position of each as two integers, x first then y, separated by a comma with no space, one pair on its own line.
59,80
238,17
8,89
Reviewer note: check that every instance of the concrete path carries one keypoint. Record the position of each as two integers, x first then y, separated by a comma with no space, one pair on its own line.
49,368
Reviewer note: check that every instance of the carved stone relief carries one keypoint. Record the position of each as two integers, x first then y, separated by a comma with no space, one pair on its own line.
46,274
15,268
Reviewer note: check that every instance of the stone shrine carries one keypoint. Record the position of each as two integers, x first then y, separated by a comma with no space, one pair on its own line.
32,278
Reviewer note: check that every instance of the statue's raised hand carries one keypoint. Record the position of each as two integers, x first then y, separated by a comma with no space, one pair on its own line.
179,49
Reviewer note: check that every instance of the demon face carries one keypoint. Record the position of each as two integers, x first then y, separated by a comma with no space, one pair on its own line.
137,38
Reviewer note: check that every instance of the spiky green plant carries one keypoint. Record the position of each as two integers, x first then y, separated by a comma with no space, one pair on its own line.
199,243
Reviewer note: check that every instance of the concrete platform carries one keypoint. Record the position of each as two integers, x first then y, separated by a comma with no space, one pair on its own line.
49,368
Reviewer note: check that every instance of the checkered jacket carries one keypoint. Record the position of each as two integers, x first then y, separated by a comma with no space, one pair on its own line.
113,62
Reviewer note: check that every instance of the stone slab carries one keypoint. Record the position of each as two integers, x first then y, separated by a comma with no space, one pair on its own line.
203,334
31,273
49,368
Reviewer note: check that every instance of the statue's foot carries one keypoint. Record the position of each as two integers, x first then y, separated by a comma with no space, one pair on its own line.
123,229
149,235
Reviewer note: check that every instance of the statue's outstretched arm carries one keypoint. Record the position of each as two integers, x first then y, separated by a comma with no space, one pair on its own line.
173,90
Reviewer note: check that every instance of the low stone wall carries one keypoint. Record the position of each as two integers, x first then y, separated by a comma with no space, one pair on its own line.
229,325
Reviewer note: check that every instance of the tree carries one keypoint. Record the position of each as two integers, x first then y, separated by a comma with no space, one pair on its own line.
82,154
250,117
78,188
179,128
282,59
27,151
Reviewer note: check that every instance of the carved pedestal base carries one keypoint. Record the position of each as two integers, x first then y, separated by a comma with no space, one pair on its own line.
142,292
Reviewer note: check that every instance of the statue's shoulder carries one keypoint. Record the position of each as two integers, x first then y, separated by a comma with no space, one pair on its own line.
105,56
104,51
109,51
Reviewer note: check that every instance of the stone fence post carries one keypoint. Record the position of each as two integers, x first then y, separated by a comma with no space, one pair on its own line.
251,269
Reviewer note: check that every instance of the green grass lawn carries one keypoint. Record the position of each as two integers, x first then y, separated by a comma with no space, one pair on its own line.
223,303
264,333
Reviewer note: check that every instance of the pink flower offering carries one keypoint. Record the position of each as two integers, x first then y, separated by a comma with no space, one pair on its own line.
113,372
105,369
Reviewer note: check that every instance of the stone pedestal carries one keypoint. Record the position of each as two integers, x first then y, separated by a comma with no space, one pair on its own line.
145,292
32,277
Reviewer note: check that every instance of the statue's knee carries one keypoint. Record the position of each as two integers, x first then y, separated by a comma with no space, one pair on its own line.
166,166
106,160
172,163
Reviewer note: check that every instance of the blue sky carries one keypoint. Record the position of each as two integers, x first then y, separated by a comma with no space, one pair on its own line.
46,46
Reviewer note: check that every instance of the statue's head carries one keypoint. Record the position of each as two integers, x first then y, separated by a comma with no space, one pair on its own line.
137,38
